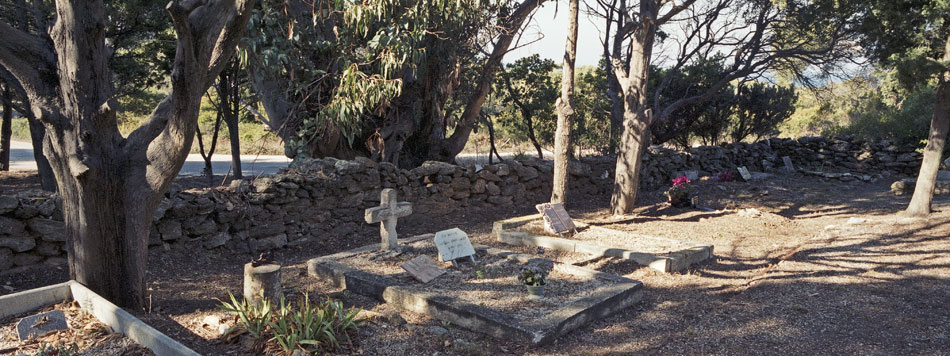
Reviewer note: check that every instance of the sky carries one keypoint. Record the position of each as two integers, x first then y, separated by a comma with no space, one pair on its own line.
549,28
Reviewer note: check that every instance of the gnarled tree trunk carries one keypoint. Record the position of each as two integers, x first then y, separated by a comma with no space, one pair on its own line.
565,112
111,184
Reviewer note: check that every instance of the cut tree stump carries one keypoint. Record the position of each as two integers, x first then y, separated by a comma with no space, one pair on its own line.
261,279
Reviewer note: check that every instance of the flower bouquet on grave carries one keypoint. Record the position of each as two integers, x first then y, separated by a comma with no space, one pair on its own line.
534,278
679,193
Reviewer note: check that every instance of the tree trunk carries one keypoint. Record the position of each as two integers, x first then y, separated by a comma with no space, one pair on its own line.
37,135
106,230
454,144
534,138
637,117
110,183
235,138
613,85
921,201
229,94
6,129
565,112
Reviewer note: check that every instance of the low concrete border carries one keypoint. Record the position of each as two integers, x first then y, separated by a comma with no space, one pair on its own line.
605,301
673,262
108,313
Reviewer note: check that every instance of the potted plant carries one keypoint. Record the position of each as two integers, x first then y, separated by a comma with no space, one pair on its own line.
534,279
680,191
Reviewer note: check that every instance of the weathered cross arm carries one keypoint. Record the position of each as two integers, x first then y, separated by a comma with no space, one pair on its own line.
381,213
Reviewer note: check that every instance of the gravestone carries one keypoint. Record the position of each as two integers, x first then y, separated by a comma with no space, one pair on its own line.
40,324
555,217
943,175
388,211
788,164
422,268
744,173
453,244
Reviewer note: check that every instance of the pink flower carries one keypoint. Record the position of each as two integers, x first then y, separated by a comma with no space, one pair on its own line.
681,181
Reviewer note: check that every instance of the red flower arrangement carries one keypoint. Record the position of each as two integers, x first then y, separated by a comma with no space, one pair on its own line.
680,191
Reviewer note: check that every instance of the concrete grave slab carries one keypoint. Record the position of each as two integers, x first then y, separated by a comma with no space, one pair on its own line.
612,293
644,250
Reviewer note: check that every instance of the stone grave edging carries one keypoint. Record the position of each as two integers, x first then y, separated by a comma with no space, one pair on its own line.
103,310
603,302
677,261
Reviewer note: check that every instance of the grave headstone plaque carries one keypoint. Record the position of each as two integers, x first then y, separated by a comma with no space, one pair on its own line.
555,217
744,172
789,167
40,324
388,211
422,268
453,244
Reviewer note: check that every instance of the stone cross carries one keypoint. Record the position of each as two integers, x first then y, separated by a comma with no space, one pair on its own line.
387,212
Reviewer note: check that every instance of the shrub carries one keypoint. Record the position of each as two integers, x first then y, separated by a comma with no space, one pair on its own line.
310,327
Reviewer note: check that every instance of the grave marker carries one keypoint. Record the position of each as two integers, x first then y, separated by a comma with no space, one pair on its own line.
744,172
453,244
40,324
422,268
788,164
555,217
388,211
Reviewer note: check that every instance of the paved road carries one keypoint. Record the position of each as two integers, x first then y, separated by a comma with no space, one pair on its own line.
21,158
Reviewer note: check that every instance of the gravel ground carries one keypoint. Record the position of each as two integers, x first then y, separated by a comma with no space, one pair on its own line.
799,277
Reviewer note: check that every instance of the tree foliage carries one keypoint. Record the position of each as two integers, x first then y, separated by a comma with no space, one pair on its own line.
335,74
528,86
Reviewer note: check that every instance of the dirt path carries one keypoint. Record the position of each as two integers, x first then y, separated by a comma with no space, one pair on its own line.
801,277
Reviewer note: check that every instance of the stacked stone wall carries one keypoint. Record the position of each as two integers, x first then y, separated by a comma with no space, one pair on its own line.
325,198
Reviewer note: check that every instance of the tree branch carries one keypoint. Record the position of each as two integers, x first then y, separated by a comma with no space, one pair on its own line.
28,59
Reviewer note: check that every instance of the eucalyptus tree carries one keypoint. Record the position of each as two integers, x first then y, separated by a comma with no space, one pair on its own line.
340,78
565,110
110,184
913,36
753,35
528,86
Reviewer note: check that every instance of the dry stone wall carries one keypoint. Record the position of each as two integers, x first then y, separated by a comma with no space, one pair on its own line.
325,198
834,154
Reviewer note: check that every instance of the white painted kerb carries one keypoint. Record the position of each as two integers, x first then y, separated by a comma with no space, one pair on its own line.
108,313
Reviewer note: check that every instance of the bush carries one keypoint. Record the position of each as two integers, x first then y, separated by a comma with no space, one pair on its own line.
310,327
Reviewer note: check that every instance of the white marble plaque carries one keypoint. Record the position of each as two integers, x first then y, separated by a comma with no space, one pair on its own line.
744,172
453,244
789,167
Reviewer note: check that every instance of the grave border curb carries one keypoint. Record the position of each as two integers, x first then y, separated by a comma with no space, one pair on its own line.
675,262
118,319
603,302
